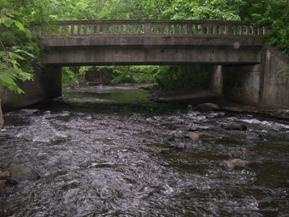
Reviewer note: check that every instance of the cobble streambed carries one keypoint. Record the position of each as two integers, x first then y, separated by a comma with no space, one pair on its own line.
111,152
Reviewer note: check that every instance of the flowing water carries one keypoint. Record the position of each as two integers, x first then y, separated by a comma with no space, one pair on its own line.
107,151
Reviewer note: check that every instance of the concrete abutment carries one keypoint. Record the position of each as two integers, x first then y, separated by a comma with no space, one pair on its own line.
263,85
47,83
275,83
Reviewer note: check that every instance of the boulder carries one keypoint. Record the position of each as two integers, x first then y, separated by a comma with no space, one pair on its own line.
235,164
207,107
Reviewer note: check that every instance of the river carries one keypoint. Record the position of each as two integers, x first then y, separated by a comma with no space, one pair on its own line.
109,151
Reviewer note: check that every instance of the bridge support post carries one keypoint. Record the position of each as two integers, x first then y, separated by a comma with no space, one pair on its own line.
217,81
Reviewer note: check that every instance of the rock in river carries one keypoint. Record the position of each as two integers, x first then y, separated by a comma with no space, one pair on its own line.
195,137
20,172
194,140
183,146
207,107
236,164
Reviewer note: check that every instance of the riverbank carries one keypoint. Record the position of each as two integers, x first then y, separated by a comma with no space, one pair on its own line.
197,99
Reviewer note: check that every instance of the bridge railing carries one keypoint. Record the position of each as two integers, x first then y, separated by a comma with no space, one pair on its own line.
150,28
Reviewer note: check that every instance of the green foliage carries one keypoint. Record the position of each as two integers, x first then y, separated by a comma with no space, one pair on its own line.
16,51
275,14
127,74
144,74
72,76
204,9
19,50
183,77
125,77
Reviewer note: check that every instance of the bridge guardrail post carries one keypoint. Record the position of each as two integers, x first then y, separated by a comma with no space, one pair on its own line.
147,28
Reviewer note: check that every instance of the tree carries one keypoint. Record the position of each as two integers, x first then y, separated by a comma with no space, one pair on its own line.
18,48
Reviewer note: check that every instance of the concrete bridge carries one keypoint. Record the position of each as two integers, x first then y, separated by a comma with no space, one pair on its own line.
243,69
156,42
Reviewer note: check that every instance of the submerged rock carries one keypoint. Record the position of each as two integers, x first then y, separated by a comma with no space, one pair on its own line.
195,137
20,172
235,164
183,146
206,107
234,126
194,140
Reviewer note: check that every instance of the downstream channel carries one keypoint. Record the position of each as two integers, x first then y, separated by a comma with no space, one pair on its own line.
109,151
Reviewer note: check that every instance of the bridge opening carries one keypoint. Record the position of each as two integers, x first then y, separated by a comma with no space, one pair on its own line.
163,83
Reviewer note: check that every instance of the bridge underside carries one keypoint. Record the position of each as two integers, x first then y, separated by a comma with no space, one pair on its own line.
150,51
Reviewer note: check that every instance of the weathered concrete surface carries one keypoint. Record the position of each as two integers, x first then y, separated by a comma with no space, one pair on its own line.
46,84
262,85
116,40
242,84
275,84
217,81
150,50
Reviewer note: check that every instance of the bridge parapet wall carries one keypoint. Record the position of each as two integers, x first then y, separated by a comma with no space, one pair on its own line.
152,27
